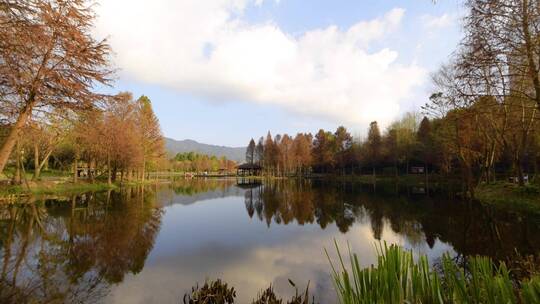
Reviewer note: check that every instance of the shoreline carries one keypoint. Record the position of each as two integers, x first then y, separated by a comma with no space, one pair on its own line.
499,194
11,192
45,188
510,197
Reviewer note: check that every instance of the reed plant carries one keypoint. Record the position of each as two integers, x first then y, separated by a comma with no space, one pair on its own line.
219,292
400,278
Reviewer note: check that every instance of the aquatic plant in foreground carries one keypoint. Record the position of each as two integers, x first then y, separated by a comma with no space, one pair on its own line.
398,278
218,292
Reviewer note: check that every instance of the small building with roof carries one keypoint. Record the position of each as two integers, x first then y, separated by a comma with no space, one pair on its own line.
248,169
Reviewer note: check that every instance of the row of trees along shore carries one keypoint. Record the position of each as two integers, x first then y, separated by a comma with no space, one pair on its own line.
195,162
409,141
453,144
51,114
481,120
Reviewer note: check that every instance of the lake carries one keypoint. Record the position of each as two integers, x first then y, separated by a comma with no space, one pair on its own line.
152,244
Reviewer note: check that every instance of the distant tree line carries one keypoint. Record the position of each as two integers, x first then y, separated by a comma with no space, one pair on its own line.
195,162
282,155
404,142
457,143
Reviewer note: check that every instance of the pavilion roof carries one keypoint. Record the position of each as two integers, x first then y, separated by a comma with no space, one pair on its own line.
248,166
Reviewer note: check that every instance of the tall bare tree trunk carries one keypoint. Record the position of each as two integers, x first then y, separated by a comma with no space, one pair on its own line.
109,173
9,143
36,162
519,169
76,168
91,172
114,172
38,166
17,176
143,169
408,165
535,167
21,165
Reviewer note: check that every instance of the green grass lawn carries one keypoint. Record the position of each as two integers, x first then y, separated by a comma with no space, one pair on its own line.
41,188
510,196
45,174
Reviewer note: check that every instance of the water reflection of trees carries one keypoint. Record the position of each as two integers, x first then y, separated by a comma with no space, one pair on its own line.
194,186
469,227
65,250
283,202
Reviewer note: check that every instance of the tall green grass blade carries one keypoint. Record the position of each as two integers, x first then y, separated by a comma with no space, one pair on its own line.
398,278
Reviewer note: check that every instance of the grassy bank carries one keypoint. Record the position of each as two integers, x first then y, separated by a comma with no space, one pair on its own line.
503,195
60,182
411,179
43,188
510,196
66,186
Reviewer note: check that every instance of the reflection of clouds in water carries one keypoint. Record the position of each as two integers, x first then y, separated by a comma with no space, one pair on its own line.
252,263
111,236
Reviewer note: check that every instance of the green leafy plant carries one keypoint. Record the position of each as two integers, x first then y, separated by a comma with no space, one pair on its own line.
398,278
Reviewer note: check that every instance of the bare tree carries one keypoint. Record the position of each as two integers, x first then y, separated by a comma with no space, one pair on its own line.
501,48
48,60
499,59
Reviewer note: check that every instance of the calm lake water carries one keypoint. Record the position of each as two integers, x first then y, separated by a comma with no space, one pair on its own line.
152,245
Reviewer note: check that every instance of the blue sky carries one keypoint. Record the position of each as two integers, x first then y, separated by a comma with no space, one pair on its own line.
223,71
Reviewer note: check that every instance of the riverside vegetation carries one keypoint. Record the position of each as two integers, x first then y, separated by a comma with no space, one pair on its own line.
399,278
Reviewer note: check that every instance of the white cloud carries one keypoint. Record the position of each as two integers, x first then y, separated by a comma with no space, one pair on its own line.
205,47
437,22
260,2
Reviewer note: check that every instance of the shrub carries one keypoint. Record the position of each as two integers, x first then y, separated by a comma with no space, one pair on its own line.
215,292
218,292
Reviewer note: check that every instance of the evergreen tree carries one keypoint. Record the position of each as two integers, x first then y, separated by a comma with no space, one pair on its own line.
374,144
153,146
259,151
250,152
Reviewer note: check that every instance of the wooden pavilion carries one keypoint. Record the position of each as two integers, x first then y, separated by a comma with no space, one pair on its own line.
249,170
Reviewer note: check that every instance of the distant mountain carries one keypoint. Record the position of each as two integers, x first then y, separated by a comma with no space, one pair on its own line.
180,146
188,199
